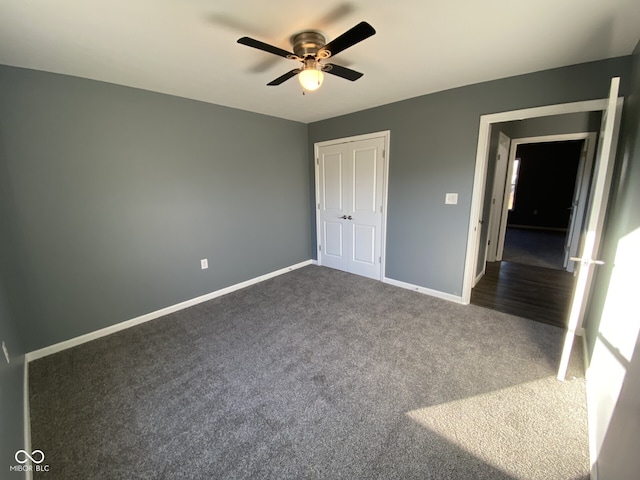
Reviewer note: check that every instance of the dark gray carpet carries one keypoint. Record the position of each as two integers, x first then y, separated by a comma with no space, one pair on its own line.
314,374
540,248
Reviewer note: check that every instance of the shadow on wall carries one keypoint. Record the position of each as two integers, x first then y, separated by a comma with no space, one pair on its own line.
622,431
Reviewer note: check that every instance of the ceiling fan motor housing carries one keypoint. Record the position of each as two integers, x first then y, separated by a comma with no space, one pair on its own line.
307,44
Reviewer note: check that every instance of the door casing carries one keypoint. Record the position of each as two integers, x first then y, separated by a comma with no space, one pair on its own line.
386,134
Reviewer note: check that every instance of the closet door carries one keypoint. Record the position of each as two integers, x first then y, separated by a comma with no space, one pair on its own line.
332,241
350,182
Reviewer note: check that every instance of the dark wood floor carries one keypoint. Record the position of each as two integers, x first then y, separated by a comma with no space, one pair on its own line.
536,293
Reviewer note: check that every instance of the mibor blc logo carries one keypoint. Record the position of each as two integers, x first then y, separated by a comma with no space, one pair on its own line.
23,457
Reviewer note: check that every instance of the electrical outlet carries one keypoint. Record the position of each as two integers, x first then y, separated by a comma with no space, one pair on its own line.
204,264
6,352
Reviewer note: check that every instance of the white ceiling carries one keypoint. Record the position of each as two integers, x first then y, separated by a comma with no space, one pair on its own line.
188,47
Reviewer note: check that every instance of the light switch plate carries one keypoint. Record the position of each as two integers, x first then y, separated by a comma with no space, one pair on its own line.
204,264
451,199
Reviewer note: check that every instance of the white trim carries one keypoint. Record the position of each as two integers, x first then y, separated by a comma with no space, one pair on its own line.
553,138
592,414
547,110
386,135
423,290
385,202
585,351
479,180
480,275
58,347
26,414
354,138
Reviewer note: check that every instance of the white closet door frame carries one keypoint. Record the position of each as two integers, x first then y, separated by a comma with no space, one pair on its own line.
386,134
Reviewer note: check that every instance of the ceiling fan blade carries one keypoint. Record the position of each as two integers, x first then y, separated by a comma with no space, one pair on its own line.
349,38
285,77
250,42
342,72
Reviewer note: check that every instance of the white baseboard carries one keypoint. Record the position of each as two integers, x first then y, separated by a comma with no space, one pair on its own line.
58,347
480,275
426,291
591,413
26,415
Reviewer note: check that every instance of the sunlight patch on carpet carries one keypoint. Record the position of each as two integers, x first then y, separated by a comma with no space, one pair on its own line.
503,429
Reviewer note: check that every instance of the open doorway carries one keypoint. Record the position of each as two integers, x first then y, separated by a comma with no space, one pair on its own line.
541,203
532,214
533,226
552,200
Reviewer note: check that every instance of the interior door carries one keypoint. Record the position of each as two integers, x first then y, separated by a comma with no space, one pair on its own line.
578,204
497,199
332,169
350,206
598,200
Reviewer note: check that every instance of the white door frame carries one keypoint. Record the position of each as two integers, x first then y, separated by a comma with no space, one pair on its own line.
386,135
479,180
515,143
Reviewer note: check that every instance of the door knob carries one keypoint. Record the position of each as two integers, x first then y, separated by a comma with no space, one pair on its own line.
350,217
344,217
586,261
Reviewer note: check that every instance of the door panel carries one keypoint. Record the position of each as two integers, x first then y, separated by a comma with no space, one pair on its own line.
333,239
598,200
331,165
364,180
332,181
364,240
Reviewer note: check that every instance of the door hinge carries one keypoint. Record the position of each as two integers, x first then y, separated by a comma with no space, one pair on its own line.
318,206
489,242
317,161
320,247
379,259
384,153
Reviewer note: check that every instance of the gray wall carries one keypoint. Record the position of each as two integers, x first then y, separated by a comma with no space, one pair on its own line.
11,386
433,147
613,321
11,287
119,193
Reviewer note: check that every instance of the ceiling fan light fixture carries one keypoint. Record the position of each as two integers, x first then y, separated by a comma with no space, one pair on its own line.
310,49
311,78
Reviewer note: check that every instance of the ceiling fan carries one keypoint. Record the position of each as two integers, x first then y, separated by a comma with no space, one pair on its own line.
311,50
